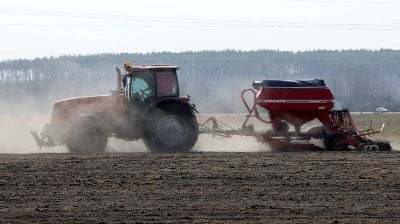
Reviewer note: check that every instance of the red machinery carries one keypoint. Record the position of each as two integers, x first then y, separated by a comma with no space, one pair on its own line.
295,103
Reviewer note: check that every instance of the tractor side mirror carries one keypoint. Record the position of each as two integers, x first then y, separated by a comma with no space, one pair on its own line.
124,81
119,77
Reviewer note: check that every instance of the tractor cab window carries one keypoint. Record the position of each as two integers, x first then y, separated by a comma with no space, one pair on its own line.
142,90
167,84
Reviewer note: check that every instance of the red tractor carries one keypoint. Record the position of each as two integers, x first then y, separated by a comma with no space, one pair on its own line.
147,106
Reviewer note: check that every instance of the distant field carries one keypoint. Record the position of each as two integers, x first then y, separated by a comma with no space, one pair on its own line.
15,137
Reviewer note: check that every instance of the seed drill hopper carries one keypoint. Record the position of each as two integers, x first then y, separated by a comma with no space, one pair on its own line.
290,105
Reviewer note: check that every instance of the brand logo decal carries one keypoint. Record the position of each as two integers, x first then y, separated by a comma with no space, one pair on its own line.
294,101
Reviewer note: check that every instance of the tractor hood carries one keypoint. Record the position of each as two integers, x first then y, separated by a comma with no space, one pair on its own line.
67,109
83,100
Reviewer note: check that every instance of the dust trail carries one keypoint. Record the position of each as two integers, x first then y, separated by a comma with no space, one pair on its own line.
232,144
15,138
15,134
205,143
117,145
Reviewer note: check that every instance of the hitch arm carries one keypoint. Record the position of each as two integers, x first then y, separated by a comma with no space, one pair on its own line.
42,141
37,139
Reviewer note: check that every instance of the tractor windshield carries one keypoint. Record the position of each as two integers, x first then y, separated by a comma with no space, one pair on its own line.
142,90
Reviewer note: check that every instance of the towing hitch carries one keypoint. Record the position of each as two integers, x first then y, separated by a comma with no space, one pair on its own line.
44,139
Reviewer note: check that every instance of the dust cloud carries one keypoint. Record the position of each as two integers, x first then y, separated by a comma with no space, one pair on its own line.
205,143
15,135
15,138
231,144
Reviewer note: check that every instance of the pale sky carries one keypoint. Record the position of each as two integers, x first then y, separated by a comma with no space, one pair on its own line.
40,28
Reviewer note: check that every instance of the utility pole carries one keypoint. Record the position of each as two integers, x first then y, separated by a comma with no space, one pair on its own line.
389,99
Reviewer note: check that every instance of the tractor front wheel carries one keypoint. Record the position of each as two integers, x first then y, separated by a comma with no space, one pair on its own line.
87,135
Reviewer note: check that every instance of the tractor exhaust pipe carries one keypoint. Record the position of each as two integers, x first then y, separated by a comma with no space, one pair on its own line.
119,81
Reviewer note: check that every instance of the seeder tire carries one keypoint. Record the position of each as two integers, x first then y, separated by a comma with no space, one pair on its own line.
332,142
283,127
379,145
384,146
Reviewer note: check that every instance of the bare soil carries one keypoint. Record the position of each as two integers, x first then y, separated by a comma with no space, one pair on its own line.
261,187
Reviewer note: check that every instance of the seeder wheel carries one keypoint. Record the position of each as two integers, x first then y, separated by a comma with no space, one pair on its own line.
283,127
384,146
377,146
332,142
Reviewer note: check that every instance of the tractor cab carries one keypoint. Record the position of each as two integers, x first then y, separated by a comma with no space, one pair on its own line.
145,84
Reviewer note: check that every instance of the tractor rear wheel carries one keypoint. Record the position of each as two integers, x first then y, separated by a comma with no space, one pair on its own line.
87,135
332,142
171,132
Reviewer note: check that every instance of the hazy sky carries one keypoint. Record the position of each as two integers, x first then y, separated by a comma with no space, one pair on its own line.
43,27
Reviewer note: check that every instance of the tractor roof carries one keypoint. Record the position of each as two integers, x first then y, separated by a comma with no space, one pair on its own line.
150,67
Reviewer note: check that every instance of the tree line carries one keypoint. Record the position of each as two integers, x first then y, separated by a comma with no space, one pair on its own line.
361,80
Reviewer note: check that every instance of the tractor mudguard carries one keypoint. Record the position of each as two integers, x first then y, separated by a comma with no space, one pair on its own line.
183,102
